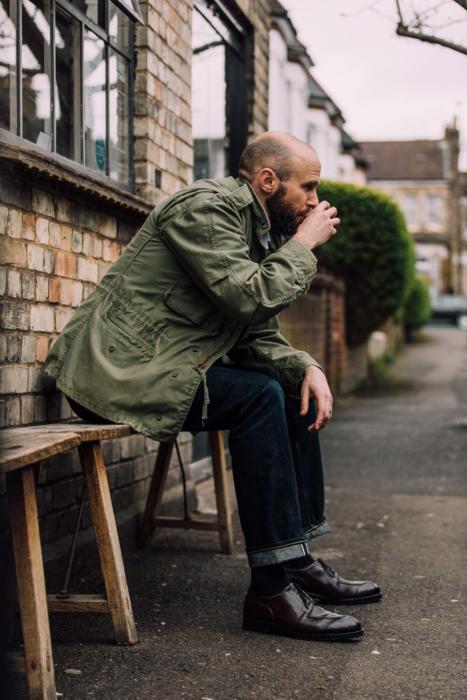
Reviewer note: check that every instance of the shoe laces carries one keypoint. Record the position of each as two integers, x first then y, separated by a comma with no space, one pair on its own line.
306,598
328,569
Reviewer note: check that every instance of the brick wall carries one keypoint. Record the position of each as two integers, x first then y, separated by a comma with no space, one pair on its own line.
316,323
163,98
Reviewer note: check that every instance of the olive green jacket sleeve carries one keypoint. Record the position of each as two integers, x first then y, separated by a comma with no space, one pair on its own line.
208,239
264,349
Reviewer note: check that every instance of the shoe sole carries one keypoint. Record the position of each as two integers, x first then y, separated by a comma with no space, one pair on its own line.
265,627
347,601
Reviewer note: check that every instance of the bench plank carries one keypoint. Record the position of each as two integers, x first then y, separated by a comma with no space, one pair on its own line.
87,431
20,447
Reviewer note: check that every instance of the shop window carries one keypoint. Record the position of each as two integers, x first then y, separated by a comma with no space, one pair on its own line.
66,74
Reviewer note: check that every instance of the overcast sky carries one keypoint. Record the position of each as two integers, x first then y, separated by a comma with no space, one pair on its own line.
387,87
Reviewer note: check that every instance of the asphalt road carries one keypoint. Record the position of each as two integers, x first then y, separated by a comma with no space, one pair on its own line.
396,473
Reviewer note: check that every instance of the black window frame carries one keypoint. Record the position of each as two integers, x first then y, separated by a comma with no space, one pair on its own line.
130,56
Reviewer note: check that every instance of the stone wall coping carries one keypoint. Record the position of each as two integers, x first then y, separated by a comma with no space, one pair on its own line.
54,167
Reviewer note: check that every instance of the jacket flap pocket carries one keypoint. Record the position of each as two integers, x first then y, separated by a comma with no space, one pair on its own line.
133,325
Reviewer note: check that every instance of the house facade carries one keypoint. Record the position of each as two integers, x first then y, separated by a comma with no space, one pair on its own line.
423,178
300,105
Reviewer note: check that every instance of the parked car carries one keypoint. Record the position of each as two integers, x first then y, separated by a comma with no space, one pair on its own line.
452,308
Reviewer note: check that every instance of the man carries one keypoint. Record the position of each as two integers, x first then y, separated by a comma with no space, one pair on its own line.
181,334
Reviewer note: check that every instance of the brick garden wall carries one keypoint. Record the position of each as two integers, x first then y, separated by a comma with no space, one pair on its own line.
316,323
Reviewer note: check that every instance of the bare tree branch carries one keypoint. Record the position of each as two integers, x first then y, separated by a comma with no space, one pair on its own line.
402,30
416,32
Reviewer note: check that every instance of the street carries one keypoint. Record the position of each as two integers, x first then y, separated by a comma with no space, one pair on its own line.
397,503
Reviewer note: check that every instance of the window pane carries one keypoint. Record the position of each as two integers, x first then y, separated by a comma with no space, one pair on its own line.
93,9
8,64
119,27
94,102
208,100
35,52
67,89
119,117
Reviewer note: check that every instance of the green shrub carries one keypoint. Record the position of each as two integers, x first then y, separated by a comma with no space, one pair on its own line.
417,306
372,252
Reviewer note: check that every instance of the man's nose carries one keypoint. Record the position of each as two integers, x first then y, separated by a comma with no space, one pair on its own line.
312,200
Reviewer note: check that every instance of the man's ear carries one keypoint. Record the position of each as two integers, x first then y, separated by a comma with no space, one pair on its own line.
268,182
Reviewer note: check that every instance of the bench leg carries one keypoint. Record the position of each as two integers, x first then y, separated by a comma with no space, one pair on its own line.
103,518
221,485
156,490
31,584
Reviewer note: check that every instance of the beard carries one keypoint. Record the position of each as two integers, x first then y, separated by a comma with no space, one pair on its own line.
284,220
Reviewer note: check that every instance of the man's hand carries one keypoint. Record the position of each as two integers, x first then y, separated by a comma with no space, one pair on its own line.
318,226
315,386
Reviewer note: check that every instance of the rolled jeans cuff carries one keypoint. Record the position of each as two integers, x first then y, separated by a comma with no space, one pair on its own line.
278,554
317,530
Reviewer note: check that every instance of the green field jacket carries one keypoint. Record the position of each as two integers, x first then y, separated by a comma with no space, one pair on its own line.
194,284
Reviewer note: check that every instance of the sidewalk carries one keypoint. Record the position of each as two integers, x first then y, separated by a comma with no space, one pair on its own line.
397,503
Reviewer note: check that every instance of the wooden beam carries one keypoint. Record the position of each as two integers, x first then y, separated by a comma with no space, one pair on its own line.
221,486
108,544
78,602
31,584
186,524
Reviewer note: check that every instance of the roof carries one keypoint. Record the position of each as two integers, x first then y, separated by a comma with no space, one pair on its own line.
280,20
405,160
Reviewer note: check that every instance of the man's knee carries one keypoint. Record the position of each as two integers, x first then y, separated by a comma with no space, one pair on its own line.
272,392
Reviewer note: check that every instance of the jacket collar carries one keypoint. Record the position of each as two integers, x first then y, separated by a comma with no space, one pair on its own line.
260,213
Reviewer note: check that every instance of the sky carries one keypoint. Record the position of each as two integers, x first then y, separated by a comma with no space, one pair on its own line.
388,87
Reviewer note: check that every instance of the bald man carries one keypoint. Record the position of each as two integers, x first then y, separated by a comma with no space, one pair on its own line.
182,334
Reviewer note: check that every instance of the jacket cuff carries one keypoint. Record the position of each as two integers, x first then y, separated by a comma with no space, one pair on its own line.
303,258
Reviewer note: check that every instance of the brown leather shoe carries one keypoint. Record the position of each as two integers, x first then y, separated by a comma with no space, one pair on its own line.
293,613
326,586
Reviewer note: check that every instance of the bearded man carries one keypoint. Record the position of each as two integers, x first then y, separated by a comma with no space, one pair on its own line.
182,334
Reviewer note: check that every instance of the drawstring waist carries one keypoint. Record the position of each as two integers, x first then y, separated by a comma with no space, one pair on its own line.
204,414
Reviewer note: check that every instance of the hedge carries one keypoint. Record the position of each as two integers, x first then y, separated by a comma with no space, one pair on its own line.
417,306
372,252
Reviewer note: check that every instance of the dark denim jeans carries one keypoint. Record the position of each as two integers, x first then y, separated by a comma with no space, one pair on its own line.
276,462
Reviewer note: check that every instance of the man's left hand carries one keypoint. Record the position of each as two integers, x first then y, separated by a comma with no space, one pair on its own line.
315,386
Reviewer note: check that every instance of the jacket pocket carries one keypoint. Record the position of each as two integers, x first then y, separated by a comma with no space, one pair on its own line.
189,302
136,333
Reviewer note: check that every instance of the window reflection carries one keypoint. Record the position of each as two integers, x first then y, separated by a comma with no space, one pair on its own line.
119,116
94,102
8,64
119,27
208,100
67,86
35,55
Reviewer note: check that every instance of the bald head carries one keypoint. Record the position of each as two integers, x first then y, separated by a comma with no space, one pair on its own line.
277,150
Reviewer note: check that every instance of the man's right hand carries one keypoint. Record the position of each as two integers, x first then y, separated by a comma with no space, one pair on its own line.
318,226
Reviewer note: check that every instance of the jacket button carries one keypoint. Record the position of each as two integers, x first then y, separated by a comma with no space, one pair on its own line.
111,348
174,374
158,417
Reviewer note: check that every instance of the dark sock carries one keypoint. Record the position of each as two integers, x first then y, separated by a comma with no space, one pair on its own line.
268,580
299,563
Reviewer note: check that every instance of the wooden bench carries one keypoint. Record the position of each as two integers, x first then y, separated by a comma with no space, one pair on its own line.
223,523
21,452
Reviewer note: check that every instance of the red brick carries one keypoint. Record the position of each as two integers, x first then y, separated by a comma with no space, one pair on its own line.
65,264
42,346
28,230
54,289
